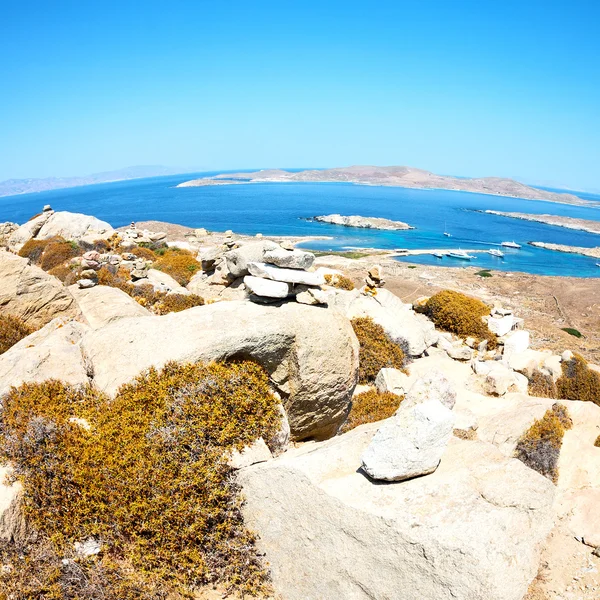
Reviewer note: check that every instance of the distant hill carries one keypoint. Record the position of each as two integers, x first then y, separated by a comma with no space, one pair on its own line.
11,187
407,177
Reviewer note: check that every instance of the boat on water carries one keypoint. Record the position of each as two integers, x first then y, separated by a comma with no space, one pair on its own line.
598,264
510,244
460,254
440,255
446,230
496,252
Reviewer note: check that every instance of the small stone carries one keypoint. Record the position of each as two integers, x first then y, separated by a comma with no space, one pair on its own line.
89,274
85,284
566,356
89,547
47,208
500,326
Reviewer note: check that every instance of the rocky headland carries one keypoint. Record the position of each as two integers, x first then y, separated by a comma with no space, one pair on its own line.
592,252
363,222
155,372
407,177
558,221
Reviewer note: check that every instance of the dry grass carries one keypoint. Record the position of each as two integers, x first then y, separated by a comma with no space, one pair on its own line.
12,330
371,406
542,385
539,447
177,303
50,254
339,281
578,381
460,314
149,478
179,264
377,351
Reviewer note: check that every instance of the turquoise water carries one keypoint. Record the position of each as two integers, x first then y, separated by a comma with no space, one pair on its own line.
282,208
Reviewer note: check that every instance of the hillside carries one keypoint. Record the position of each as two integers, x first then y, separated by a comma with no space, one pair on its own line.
12,187
407,177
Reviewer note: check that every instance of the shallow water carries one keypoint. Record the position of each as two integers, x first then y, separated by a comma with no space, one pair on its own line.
282,208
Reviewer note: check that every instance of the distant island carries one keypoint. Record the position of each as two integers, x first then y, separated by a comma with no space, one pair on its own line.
558,221
13,187
407,177
363,222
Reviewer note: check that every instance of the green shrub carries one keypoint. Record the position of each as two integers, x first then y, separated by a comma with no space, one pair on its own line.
146,473
179,264
371,406
484,273
339,281
578,381
377,351
539,447
573,332
459,314
12,330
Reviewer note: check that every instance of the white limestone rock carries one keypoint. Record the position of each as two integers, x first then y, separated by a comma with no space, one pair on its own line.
289,259
261,269
267,287
256,453
74,226
239,259
501,380
393,381
500,325
515,342
409,444
433,386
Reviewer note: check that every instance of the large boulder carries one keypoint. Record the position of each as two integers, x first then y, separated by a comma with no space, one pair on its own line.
30,293
471,530
27,231
238,259
101,305
411,443
53,352
74,226
311,354
414,332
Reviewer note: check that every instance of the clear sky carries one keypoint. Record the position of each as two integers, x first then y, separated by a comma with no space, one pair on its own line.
489,87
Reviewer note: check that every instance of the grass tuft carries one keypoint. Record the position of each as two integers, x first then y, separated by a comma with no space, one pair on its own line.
371,406
12,330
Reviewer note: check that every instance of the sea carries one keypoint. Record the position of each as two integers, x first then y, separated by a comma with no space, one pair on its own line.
287,208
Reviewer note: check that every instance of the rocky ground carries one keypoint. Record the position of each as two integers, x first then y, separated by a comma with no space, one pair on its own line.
431,500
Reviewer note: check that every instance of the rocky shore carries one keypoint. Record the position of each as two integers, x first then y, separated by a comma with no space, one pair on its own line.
363,222
435,497
592,252
558,221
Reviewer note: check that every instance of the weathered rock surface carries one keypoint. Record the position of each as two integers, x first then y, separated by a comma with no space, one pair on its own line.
201,285
409,444
250,455
500,325
515,343
290,259
30,293
12,522
238,259
315,377
27,231
73,226
469,531
501,380
392,380
259,269
414,332
102,305
433,386
163,282
267,287
53,352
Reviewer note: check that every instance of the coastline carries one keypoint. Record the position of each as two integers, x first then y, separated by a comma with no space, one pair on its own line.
576,224
212,182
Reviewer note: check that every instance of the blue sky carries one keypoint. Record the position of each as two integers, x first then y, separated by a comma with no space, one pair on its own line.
466,88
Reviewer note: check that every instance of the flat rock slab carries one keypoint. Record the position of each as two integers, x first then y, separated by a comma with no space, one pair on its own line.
259,269
290,259
101,305
267,287
469,531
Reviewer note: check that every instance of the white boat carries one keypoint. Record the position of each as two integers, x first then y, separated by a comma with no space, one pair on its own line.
510,245
445,232
460,254
496,252
438,255
598,264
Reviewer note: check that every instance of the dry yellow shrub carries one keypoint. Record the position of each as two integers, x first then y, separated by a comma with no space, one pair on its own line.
12,330
459,314
149,478
371,406
578,381
377,351
179,264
